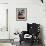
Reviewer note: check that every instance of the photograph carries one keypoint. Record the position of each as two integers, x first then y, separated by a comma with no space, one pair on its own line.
21,14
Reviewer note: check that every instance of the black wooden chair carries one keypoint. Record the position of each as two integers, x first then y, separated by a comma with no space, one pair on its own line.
32,29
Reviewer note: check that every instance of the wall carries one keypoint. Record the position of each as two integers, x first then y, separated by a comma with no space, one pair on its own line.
31,7
3,1
35,14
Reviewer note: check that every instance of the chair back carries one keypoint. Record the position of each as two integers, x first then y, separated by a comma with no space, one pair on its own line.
33,28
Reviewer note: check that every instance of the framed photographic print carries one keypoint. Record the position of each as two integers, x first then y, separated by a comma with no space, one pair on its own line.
21,14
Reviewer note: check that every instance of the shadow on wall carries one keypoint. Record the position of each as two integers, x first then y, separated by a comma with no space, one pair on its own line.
41,34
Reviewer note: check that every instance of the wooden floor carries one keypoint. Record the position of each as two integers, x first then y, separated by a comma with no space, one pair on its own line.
27,44
6,40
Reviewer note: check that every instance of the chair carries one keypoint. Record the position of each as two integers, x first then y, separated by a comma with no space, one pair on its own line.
33,30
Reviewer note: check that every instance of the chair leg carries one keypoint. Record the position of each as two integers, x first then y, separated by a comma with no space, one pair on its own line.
32,42
20,42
